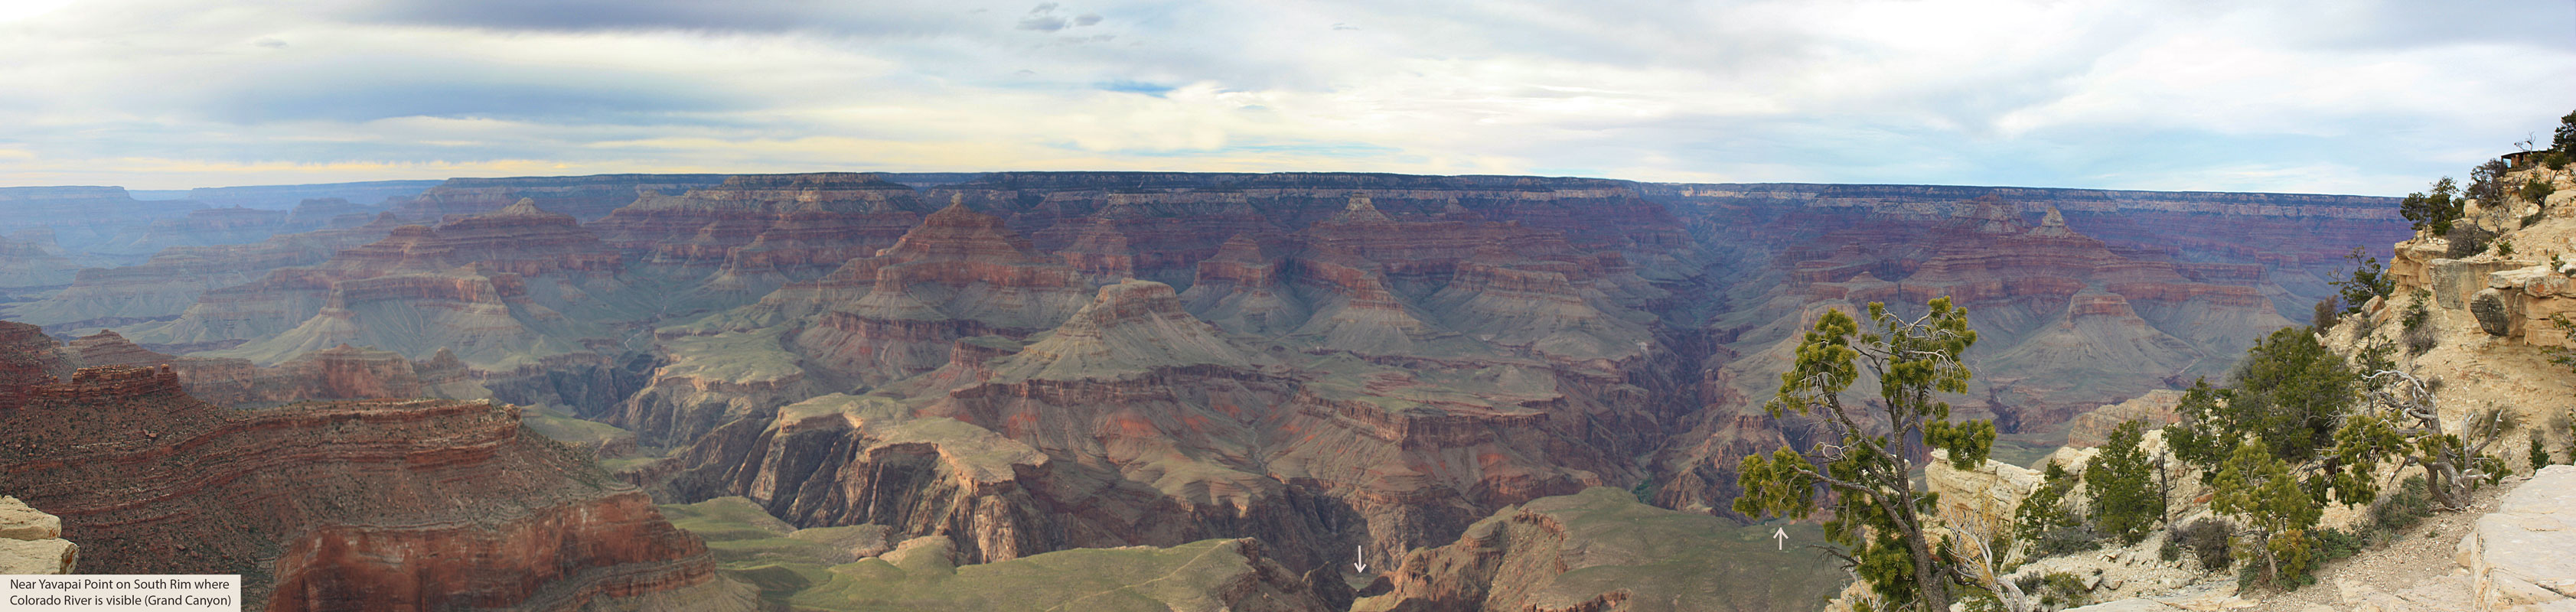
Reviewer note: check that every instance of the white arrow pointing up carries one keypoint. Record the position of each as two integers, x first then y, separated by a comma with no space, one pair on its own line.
1782,535
1359,559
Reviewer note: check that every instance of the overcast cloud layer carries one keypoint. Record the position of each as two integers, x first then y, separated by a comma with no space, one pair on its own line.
2335,97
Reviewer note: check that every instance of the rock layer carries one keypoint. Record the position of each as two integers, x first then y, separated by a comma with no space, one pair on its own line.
349,505
586,198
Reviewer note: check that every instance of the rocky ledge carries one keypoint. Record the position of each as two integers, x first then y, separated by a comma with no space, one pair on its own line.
31,542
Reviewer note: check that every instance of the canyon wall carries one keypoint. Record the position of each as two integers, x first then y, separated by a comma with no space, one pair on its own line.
386,504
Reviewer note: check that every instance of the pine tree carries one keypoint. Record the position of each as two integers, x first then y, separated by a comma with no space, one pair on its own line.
2288,394
2121,485
2042,521
2255,485
2433,210
2564,139
1877,527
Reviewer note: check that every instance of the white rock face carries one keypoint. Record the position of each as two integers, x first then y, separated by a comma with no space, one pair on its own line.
2519,556
31,542
1980,497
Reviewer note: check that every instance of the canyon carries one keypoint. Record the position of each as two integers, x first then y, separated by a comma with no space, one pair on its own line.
1462,372
420,503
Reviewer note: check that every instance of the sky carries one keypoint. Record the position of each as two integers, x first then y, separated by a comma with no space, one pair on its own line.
2346,96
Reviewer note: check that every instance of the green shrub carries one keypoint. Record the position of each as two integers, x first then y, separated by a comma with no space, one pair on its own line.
2419,310
2063,590
2504,248
2419,337
2419,340
2044,522
2537,191
2401,510
2335,544
2539,454
2368,280
2207,540
2467,239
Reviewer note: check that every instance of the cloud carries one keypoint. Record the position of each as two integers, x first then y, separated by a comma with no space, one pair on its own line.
1042,23
1042,19
2372,97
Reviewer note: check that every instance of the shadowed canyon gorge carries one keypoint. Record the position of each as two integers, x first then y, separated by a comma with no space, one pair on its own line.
1290,391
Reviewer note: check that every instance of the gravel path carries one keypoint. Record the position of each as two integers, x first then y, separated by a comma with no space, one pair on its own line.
2418,570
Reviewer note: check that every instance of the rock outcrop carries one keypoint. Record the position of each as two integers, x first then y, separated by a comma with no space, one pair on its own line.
2517,555
2488,330
1601,550
1982,498
32,542
341,505
2156,409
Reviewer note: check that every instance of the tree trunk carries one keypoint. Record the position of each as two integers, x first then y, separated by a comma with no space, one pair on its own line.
1927,576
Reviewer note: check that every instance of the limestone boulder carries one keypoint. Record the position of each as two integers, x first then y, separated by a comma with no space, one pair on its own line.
19,522
1981,498
54,556
2157,408
2517,555
31,541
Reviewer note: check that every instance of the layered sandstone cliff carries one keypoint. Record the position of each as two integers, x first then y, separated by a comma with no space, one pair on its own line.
743,238
586,198
348,505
